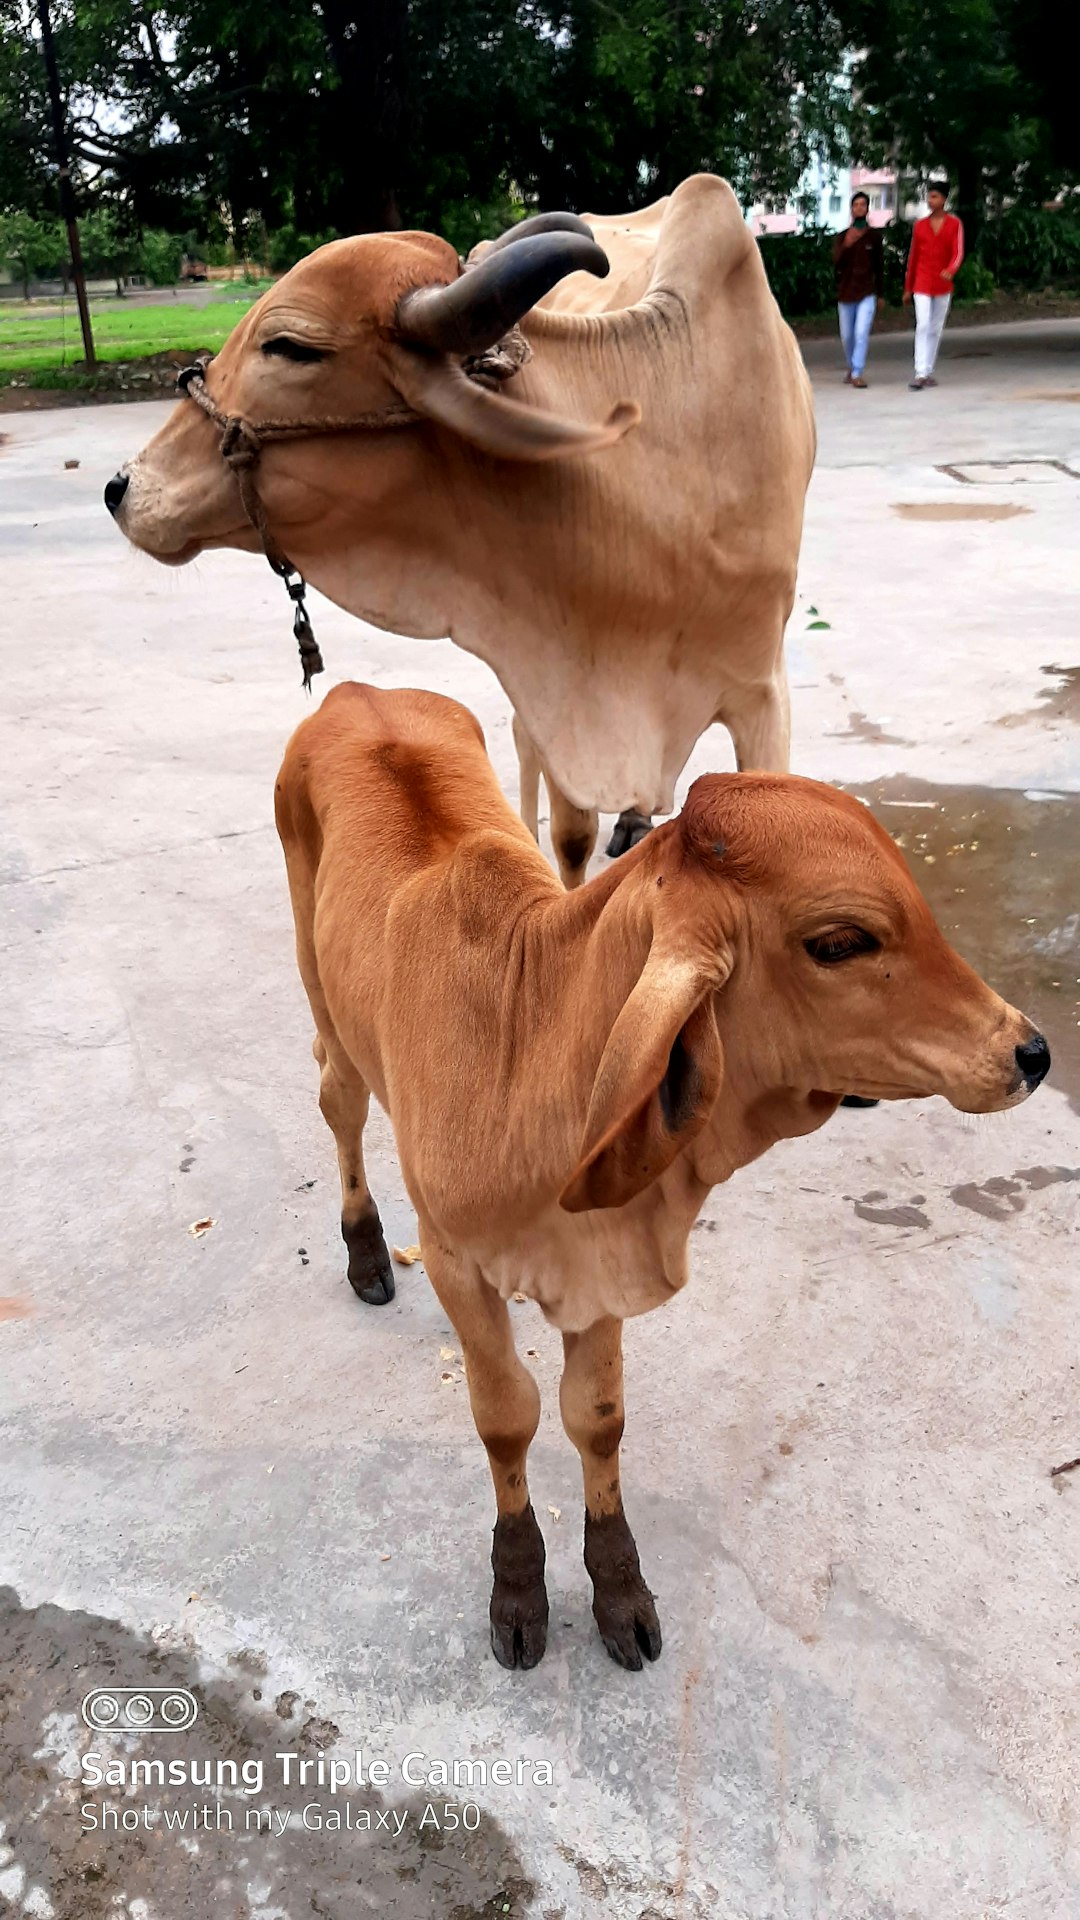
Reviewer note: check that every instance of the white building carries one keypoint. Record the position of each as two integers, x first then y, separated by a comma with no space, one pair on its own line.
823,199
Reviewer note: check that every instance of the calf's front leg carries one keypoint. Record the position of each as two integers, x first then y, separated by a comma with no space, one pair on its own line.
591,1401
505,1403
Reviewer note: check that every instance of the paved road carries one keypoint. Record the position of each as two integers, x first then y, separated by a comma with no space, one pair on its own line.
217,1469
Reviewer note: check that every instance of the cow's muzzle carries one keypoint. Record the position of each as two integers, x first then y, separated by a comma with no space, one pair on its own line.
1033,1060
115,490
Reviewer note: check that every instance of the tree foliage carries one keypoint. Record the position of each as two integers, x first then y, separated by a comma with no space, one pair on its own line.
232,118
368,115
976,88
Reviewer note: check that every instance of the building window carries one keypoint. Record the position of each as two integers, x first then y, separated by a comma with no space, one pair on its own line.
835,203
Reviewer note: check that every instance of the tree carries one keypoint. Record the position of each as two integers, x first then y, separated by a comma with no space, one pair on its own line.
366,113
110,245
458,114
643,96
31,247
25,151
974,89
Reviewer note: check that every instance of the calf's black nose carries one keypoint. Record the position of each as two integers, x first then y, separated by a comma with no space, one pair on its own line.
1033,1059
115,490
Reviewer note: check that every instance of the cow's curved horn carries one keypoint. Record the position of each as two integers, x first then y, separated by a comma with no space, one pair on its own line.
468,316
540,223
506,429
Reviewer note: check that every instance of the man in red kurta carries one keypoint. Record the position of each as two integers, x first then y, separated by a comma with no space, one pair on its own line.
937,248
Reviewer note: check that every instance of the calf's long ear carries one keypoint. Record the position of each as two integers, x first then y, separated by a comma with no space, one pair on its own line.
656,1083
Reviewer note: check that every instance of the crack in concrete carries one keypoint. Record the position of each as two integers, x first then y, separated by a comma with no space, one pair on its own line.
136,853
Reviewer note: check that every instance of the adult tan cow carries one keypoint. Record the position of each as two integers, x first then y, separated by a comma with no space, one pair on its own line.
568,1074
616,532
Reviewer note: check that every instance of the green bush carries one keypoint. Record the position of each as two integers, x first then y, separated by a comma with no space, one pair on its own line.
974,280
896,244
32,249
1029,248
800,271
159,257
286,246
467,222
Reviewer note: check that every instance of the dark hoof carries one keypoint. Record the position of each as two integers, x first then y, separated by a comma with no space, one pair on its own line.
629,1627
519,1604
623,1608
856,1100
377,1292
517,1642
371,1276
630,827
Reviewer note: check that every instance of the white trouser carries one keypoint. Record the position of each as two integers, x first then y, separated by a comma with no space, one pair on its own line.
931,310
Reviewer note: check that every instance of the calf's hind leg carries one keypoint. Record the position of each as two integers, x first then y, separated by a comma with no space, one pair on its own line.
591,1401
506,1408
343,1101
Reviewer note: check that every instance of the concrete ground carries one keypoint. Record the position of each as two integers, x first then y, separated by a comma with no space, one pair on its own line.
220,1471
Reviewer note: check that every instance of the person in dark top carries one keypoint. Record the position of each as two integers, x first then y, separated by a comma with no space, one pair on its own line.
859,262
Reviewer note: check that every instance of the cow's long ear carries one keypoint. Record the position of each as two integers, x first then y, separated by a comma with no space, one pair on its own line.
508,429
656,1084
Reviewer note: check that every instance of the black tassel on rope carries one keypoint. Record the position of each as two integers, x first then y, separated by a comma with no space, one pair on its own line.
310,657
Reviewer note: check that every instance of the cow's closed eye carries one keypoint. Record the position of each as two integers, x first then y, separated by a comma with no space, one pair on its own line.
283,347
840,943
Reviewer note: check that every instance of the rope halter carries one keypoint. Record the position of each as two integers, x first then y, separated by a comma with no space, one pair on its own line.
241,445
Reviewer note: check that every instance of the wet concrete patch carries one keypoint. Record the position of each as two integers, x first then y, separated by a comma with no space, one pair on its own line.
861,727
994,1199
955,510
55,1863
907,1213
999,871
1060,702
1068,395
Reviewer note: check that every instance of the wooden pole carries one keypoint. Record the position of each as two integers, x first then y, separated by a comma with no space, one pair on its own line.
67,192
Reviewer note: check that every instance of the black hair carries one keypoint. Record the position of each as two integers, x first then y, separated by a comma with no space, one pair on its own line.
938,186
860,194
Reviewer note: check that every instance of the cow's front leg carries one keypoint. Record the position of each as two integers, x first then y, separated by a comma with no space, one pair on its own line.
759,722
506,1408
591,1400
528,778
573,834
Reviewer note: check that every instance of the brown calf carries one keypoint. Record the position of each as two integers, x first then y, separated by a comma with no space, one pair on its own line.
569,1073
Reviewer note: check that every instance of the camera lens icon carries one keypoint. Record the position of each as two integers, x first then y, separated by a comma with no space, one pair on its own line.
139,1709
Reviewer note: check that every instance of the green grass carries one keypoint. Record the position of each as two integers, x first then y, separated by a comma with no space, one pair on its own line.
32,342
